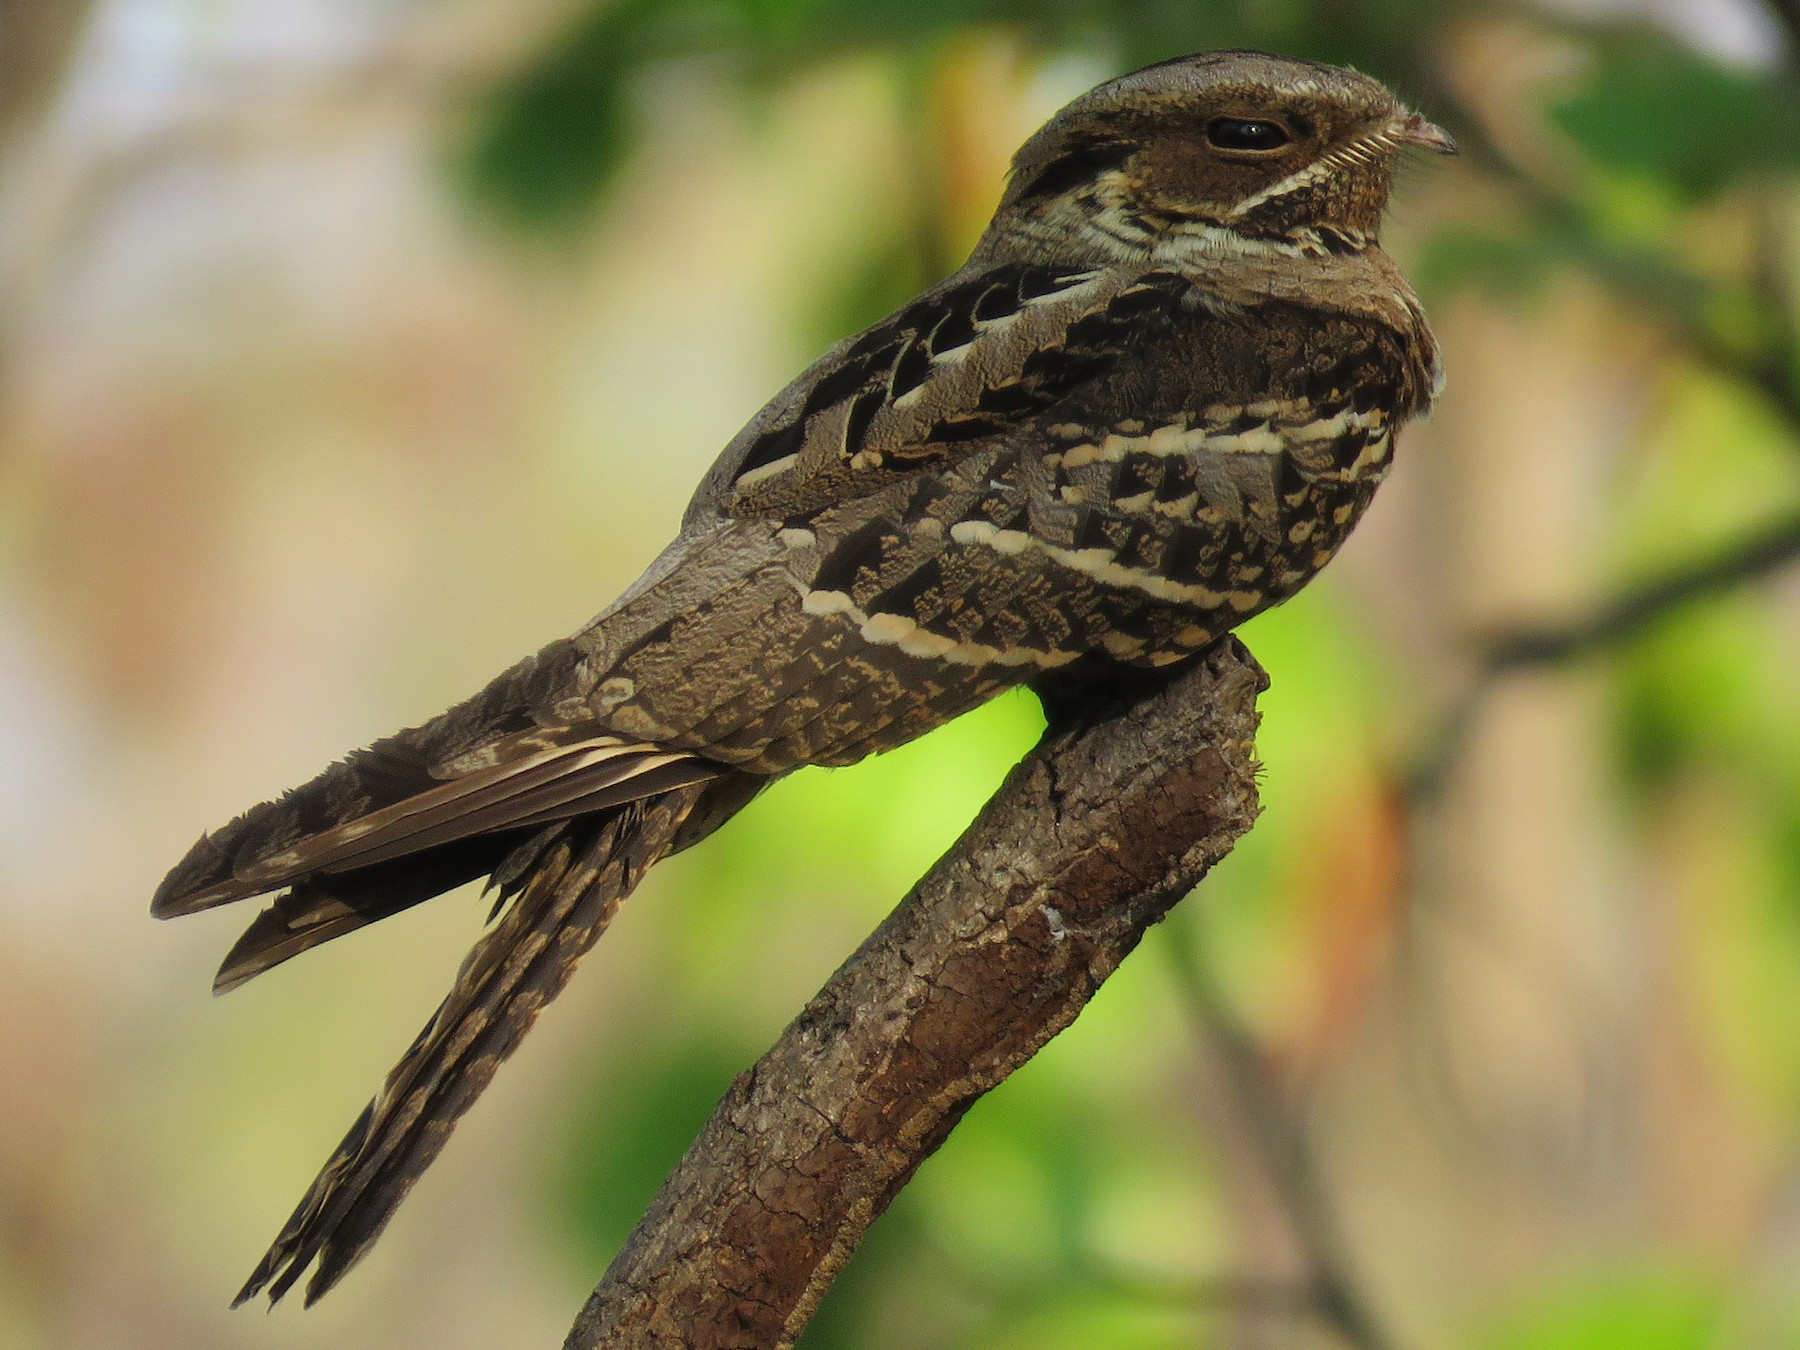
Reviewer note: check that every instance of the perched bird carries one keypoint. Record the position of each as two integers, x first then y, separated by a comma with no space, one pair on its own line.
1151,404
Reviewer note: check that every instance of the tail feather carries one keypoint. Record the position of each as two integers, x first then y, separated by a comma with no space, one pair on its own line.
558,909
331,827
328,906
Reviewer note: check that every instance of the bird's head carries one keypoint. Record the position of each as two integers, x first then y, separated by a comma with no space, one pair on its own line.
1219,145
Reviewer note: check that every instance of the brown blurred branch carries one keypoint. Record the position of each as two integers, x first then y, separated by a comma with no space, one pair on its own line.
1771,370
1787,14
37,39
1114,817
1090,1271
1757,554
1279,1137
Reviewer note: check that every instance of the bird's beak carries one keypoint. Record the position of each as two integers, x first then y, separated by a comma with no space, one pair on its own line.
1413,129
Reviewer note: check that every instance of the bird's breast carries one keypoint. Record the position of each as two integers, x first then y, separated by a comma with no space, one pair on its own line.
1169,532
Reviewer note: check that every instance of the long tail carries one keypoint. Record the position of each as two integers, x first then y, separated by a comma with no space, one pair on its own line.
559,907
562,817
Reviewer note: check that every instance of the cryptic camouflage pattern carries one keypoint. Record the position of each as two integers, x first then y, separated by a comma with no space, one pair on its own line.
1152,404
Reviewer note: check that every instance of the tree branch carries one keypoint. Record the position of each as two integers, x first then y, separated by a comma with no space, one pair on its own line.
1787,14
37,40
1106,824
1759,553
1279,1136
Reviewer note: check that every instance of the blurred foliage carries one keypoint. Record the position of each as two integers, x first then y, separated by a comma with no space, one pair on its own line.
648,1111
344,453
1644,105
1627,1311
1692,127
553,139
1049,1218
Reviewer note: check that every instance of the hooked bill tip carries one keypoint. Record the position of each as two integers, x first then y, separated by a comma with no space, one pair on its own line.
1415,130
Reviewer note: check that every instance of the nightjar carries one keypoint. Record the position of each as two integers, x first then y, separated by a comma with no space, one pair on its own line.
1151,404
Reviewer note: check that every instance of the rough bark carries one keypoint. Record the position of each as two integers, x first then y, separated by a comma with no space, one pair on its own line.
1111,819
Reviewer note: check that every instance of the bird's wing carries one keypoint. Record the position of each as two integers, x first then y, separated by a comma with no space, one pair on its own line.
978,357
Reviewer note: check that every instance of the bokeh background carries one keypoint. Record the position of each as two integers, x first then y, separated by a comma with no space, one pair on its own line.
351,348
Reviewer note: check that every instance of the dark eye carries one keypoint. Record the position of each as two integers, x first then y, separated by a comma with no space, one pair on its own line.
1231,133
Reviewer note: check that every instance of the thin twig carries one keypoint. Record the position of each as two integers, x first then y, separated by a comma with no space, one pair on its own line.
1287,1158
1787,14
1633,610
1283,1297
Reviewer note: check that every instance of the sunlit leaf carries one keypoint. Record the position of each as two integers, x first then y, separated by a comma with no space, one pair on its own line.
1078,1322
1637,1311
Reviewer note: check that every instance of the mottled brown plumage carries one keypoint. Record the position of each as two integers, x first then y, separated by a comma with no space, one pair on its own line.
1152,404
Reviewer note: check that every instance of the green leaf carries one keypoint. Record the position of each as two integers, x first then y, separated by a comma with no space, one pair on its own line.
1653,108
551,139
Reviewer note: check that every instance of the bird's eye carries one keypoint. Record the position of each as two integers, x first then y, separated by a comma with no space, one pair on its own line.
1232,133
